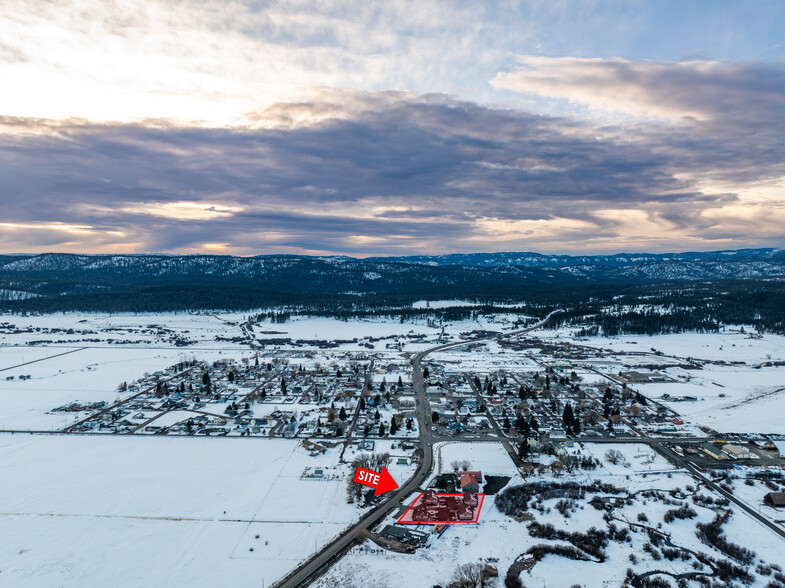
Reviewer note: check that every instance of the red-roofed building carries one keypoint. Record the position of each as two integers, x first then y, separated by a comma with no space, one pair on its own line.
469,483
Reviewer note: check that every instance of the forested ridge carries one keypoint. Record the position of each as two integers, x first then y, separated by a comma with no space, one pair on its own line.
602,299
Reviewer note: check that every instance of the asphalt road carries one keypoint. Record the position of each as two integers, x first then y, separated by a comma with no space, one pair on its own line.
13,367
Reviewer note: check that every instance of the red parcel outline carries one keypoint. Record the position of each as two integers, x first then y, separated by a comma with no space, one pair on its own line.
416,500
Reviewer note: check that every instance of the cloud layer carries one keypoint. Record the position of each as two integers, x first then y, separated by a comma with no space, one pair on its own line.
262,127
388,172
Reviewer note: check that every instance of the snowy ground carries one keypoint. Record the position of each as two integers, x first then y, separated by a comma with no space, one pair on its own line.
729,345
98,512
489,458
490,358
86,375
737,399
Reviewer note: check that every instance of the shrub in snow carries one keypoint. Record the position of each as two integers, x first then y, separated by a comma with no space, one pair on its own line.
713,535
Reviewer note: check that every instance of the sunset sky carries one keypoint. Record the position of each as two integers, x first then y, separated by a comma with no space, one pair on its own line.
391,128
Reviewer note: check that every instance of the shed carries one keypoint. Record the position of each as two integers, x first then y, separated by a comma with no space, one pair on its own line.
780,446
775,499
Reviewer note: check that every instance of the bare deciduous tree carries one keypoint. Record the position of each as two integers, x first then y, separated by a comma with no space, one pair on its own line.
369,461
470,575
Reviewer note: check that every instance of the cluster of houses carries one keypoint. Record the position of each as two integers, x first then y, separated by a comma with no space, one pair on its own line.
527,404
256,396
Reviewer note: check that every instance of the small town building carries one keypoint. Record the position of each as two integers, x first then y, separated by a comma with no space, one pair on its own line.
713,451
777,445
470,499
775,499
430,498
736,452
405,535
469,483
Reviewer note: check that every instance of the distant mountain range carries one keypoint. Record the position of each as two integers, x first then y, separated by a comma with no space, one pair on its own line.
619,259
24,278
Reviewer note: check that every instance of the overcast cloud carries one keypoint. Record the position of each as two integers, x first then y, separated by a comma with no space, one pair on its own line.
218,128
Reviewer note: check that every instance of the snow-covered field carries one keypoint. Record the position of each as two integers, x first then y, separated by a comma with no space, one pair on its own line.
489,458
489,358
85,511
86,375
737,399
728,345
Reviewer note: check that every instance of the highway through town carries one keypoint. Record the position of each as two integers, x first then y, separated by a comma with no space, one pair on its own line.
330,553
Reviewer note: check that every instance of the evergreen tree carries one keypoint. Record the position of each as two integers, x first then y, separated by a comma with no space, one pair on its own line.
567,416
435,417
381,429
342,414
523,449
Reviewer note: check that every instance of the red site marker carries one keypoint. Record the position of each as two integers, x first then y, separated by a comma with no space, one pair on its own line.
382,481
